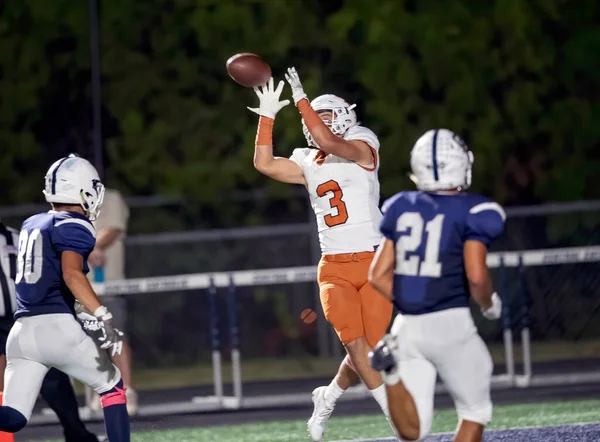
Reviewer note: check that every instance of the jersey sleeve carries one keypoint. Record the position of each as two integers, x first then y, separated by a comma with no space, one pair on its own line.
362,133
388,222
485,222
366,135
299,155
74,235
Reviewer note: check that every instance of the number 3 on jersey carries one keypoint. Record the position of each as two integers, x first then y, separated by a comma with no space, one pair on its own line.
412,265
335,202
29,259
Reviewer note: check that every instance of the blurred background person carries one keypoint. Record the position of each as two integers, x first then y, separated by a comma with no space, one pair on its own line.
107,263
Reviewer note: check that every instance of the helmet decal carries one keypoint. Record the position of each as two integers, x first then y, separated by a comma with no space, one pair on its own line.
54,172
436,175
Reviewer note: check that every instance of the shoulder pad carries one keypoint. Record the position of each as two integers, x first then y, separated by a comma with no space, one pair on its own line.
362,133
72,233
299,155
389,210
391,201
485,221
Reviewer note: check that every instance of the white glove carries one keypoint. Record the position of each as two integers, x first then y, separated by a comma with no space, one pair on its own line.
384,358
495,310
100,327
294,80
269,99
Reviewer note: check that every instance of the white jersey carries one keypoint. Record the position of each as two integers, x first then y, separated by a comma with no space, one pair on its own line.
344,196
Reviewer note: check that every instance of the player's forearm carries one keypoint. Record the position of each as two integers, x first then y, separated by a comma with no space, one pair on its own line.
107,237
481,289
263,146
326,140
384,286
381,272
382,280
82,290
280,169
319,131
480,284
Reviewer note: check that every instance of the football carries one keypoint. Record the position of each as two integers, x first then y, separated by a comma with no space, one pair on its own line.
248,70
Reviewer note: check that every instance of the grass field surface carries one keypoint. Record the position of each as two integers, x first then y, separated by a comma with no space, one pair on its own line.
375,426
269,369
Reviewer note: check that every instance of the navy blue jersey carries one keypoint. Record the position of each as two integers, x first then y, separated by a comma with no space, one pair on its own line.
40,285
429,231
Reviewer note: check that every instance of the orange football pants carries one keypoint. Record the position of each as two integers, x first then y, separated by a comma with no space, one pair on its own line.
351,305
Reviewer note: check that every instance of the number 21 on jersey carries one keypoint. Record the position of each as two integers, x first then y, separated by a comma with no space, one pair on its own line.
410,264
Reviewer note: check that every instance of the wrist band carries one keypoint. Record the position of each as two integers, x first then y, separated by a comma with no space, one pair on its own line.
264,133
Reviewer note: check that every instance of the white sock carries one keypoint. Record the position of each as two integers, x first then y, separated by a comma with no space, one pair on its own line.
380,396
333,392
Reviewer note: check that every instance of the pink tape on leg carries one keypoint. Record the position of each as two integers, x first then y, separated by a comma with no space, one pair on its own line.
348,362
115,398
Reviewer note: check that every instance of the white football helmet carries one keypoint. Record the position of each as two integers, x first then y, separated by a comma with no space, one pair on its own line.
441,160
73,180
343,116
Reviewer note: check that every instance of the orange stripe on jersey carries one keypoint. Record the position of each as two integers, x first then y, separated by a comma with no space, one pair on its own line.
264,133
320,157
309,115
371,169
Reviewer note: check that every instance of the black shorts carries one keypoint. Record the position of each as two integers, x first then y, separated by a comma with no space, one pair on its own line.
5,326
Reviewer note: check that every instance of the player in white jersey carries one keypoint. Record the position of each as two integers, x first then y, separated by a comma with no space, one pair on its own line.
344,195
339,170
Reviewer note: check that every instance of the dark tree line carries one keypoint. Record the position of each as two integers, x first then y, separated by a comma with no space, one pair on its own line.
518,79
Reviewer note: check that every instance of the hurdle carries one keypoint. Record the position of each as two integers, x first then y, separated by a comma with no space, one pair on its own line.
515,322
219,398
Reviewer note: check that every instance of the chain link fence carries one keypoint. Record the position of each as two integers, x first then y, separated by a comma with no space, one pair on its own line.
560,303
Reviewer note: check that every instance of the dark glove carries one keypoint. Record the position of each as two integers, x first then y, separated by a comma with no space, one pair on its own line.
383,359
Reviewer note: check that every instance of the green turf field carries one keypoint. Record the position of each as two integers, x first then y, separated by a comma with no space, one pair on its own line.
371,426
286,368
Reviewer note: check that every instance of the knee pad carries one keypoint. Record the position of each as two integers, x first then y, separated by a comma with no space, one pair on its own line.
11,420
114,396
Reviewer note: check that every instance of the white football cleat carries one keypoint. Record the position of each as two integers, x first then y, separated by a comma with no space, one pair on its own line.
318,421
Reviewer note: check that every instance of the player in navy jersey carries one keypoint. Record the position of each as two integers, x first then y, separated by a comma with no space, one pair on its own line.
51,268
431,261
